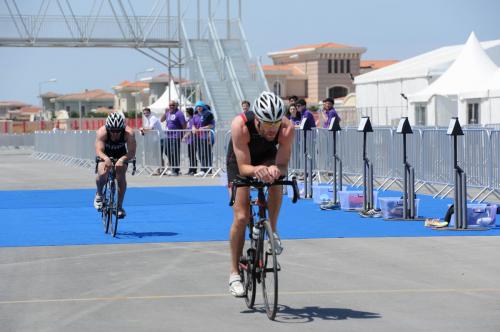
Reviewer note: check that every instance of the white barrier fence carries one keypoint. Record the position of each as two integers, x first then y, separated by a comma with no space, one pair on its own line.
429,151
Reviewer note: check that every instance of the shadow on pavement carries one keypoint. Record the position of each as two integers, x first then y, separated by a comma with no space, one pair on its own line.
141,235
287,314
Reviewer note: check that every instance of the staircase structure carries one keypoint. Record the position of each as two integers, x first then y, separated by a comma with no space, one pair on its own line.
224,67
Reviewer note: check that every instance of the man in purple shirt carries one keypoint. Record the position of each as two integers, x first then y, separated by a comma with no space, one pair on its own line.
328,112
175,123
305,113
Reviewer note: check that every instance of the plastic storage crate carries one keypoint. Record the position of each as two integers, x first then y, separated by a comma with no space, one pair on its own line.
353,200
392,207
478,215
323,192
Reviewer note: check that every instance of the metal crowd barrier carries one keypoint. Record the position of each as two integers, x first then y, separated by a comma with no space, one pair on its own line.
16,141
429,151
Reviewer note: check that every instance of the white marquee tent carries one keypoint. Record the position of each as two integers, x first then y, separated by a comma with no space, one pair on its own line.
455,90
161,104
381,93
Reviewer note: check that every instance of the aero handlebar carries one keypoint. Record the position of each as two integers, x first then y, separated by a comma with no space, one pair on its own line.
254,182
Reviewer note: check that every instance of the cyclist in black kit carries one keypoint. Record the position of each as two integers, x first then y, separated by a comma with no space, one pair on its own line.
114,140
260,147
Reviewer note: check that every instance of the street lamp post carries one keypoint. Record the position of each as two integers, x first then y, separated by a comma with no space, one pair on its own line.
52,80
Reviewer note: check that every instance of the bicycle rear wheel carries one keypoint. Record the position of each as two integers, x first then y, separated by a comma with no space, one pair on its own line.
269,272
114,209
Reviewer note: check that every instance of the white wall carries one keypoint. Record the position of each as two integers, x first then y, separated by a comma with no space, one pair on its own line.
385,100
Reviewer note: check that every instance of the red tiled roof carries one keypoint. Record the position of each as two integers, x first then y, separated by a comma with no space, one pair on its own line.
138,84
97,94
320,45
376,64
30,109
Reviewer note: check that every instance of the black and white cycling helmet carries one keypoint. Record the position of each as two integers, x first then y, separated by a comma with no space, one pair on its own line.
115,120
268,107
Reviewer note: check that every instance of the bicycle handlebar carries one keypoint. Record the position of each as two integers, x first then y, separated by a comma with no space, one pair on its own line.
254,182
114,160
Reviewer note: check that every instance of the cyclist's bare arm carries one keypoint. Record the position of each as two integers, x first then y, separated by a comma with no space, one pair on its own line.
240,137
99,143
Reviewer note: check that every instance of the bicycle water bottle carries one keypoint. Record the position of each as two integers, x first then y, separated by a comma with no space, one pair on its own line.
255,232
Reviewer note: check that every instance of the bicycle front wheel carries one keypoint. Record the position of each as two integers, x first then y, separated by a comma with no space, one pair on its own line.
269,272
104,210
114,212
247,272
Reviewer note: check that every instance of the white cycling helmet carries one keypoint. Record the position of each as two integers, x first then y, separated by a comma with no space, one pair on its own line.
115,120
268,107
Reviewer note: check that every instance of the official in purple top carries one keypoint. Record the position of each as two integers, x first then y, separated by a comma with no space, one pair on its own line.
204,124
189,139
175,123
328,112
305,113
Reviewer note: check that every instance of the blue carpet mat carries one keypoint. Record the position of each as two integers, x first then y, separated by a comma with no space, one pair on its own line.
186,214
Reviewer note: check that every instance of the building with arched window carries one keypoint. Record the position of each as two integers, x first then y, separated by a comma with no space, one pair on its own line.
317,71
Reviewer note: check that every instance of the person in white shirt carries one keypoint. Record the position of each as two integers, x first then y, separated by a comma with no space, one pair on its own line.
151,122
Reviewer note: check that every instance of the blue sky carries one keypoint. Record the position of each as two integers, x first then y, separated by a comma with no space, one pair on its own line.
389,29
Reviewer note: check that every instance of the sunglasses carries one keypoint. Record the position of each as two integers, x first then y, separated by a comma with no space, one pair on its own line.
270,125
115,131
172,105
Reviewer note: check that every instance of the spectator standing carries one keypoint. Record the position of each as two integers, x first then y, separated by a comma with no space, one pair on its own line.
175,123
294,116
151,123
328,112
189,139
204,139
245,106
305,113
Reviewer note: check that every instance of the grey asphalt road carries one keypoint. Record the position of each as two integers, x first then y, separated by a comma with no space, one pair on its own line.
366,284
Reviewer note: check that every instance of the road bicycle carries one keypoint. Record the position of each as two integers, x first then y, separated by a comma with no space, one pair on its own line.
259,263
109,209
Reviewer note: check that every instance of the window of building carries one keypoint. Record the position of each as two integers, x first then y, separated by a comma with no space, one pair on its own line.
420,111
82,109
336,66
337,92
348,66
473,113
277,88
341,66
329,66
306,92
67,109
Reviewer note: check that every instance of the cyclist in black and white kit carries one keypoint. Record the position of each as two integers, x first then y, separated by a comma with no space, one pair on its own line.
114,140
260,146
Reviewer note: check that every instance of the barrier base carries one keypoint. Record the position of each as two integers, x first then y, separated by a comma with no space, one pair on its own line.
405,219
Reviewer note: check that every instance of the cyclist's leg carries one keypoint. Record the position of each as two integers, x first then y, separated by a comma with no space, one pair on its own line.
241,216
122,183
101,177
274,204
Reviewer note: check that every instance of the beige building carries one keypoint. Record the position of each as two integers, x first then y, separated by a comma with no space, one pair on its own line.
314,71
317,71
